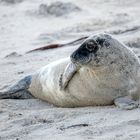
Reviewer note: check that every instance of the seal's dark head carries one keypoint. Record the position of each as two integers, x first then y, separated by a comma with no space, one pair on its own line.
85,52
93,51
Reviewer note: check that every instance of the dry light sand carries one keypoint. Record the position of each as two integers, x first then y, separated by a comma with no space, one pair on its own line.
28,24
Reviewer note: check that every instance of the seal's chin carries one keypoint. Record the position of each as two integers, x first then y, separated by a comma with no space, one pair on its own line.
82,61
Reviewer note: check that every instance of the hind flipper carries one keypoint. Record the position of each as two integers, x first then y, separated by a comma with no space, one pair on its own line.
19,90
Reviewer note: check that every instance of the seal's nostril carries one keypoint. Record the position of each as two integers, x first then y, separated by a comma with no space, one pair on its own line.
72,59
73,55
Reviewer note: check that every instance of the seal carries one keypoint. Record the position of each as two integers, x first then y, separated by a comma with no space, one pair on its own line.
102,71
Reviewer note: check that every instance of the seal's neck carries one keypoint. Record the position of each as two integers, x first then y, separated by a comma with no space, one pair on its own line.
96,72
99,69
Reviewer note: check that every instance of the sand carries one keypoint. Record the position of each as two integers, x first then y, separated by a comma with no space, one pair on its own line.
25,25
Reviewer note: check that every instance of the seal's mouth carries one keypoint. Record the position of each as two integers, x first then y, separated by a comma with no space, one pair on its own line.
81,61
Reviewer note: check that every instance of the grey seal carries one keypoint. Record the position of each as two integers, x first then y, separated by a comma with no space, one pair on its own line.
102,71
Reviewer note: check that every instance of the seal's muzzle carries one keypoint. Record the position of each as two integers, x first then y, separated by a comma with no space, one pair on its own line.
85,53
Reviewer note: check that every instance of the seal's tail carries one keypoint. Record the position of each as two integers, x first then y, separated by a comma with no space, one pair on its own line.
19,90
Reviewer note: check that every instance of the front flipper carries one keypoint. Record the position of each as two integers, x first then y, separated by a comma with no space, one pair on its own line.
125,103
69,72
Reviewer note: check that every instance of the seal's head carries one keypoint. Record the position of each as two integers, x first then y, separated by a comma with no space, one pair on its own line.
98,50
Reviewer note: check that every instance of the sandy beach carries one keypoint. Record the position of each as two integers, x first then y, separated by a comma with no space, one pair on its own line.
25,25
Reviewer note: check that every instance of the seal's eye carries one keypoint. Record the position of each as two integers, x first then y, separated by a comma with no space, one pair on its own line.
91,46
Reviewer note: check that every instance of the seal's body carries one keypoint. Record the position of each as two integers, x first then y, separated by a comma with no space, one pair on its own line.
102,71
87,87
